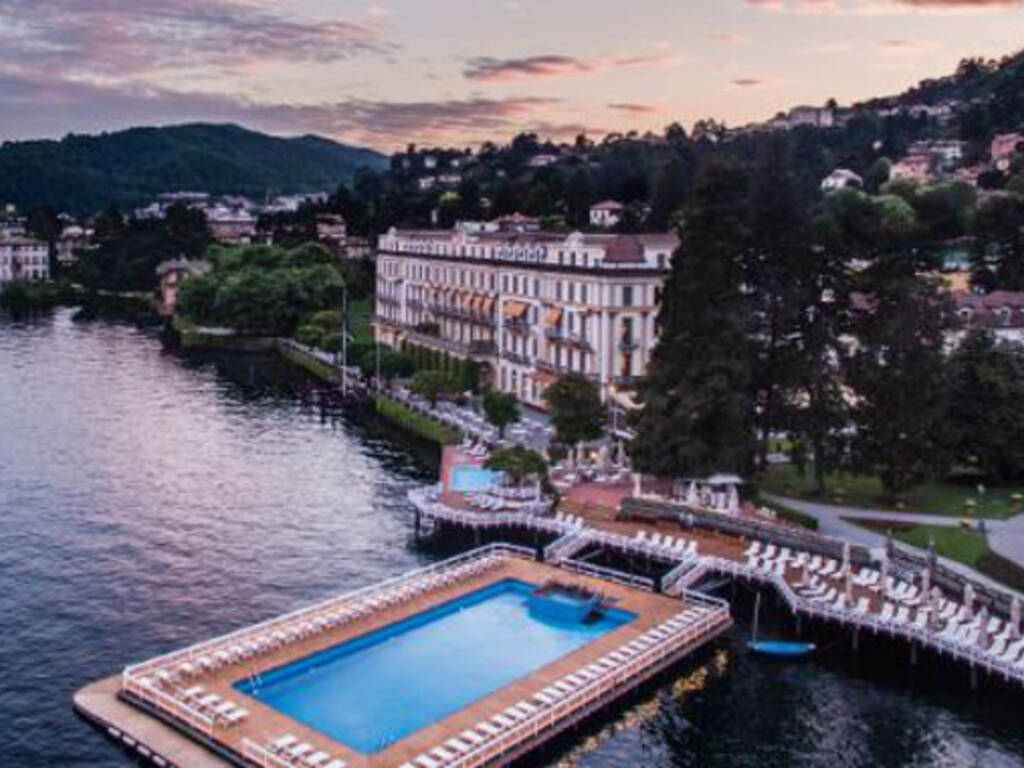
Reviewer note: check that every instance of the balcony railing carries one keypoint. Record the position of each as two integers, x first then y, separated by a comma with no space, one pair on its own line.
558,336
459,313
515,357
478,348
563,370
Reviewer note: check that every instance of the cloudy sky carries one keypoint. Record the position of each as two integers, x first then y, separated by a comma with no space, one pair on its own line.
385,72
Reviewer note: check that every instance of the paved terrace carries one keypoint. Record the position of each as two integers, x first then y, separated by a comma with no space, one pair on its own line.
598,672
821,587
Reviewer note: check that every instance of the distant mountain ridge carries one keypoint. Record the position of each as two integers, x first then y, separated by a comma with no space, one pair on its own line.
82,174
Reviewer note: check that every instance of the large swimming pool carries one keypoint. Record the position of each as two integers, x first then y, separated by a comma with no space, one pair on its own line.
376,689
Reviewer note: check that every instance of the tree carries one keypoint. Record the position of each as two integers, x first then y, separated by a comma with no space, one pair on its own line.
518,463
263,290
669,194
576,410
392,365
899,376
698,405
501,409
579,197
43,224
431,385
997,260
985,420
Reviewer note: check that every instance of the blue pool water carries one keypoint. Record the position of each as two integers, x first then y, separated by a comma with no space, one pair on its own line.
376,689
469,479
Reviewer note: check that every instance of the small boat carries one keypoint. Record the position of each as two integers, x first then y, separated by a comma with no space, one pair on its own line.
781,649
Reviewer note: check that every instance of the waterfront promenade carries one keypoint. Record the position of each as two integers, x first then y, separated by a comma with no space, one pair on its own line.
1005,537
811,575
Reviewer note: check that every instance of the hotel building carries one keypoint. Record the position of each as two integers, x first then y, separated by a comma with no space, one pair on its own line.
23,258
530,307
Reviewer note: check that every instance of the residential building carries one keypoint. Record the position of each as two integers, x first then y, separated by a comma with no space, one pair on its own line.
529,307
331,228
1003,146
11,222
606,214
73,238
171,274
231,224
817,117
914,168
541,161
23,258
946,152
841,178
1002,312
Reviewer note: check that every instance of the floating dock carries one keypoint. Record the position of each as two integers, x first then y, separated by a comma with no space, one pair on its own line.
154,709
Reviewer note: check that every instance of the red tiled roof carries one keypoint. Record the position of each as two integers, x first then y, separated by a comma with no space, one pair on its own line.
625,249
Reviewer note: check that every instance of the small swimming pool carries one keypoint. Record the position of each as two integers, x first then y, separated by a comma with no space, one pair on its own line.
373,690
469,479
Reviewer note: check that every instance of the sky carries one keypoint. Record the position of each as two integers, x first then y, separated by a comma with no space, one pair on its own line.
383,73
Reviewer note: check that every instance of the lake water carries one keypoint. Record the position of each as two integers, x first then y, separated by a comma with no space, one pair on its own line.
148,501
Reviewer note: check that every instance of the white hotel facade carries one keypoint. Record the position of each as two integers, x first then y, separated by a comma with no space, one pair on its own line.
23,258
530,306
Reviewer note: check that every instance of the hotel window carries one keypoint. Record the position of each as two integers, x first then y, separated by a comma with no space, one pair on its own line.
504,283
583,293
558,290
572,259
627,296
536,288
572,291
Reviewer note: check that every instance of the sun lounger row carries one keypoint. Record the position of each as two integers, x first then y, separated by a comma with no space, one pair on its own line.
290,750
326,618
570,521
551,696
677,547
197,698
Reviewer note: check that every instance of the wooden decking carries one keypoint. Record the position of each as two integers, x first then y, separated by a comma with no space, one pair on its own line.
100,703
138,731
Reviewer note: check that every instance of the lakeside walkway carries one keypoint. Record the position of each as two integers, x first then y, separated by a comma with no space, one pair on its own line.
811,578
1005,537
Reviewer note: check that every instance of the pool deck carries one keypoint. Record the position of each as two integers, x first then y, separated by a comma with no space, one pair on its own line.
99,702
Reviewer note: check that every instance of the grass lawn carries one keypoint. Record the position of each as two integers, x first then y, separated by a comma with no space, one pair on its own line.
955,543
360,317
941,498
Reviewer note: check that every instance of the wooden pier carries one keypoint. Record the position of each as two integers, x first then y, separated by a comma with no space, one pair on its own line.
716,556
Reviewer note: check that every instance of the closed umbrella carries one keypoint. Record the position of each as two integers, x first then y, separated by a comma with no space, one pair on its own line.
1015,617
969,598
848,593
734,500
883,579
637,483
933,617
691,494
846,557
983,620
926,580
